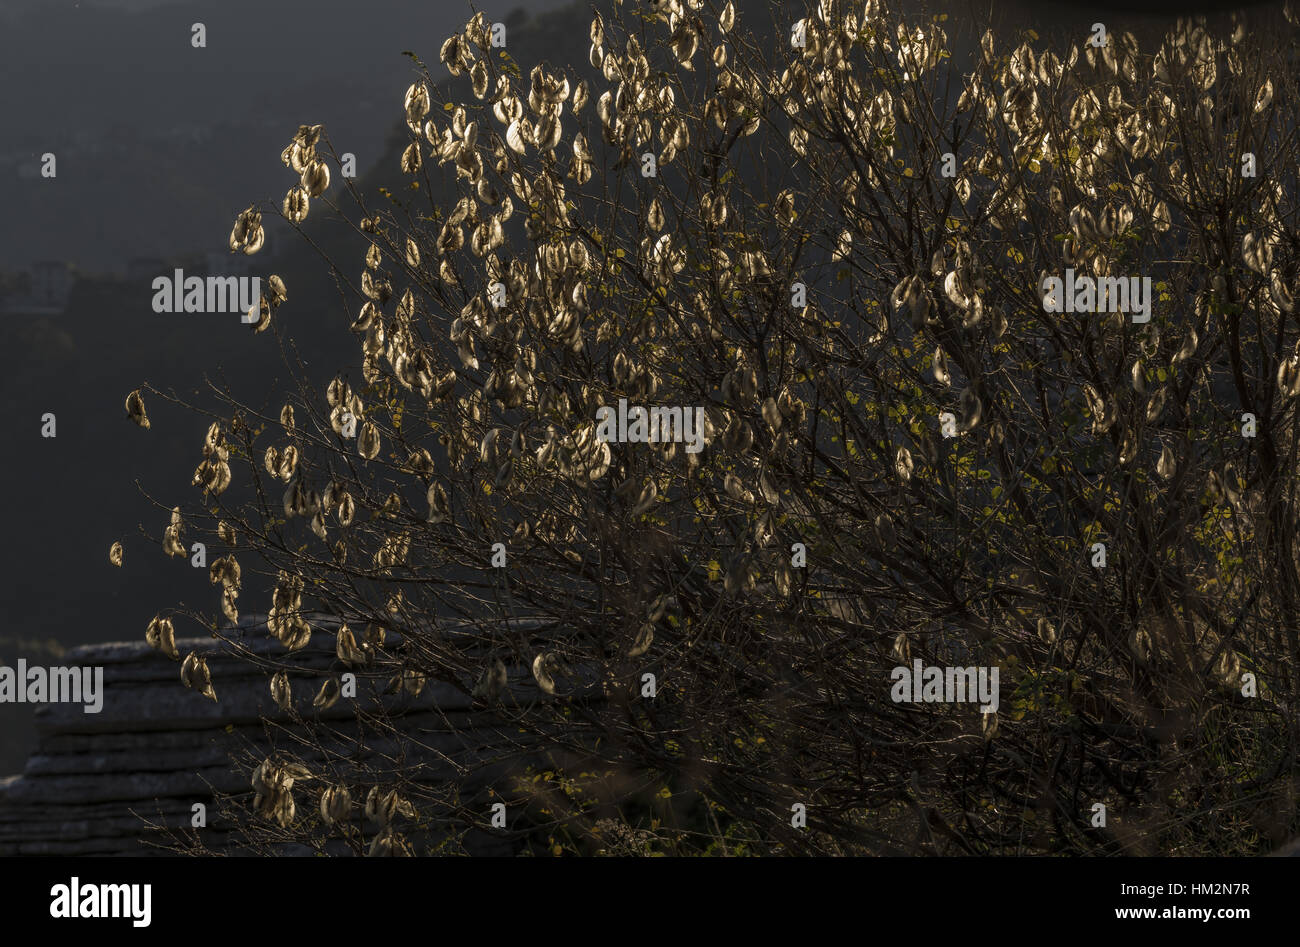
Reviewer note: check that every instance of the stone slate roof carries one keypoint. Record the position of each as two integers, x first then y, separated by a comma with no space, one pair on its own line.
157,747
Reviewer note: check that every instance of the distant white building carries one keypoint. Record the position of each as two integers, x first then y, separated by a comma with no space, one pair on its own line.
49,287
51,284
145,268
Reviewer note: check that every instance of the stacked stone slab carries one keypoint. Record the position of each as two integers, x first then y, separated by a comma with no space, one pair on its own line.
116,782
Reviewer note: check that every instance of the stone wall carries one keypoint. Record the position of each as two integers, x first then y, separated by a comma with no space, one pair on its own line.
157,748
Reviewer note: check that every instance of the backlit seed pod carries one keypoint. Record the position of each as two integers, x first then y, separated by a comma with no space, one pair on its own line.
288,464
281,692
1139,642
417,102
256,238
296,156
296,204
1188,348
1096,406
902,649
646,499
247,231
1046,631
335,804
957,290
544,666
903,464
226,533
1138,377
517,137
1284,299
337,393
412,160
195,675
479,79
172,545
328,694
941,374
1257,253
1288,376
444,385
1264,97
1160,217
1108,223
225,570
645,636
1166,466
412,681
297,634
284,809
389,806
346,647
115,554
368,442
316,178
229,597
655,216
1157,404
135,409
222,478
372,809
736,489
277,293
727,18
265,777
1082,223
161,636
999,324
